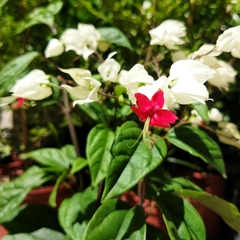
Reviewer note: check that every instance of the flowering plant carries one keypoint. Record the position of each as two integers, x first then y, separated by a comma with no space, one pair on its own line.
142,114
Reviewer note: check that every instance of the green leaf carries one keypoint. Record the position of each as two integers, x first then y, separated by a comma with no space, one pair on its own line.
199,144
51,157
202,110
131,160
179,183
12,70
3,2
117,220
78,164
75,212
226,210
114,35
69,152
14,192
41,234
94,111
99,143
41,15
178,214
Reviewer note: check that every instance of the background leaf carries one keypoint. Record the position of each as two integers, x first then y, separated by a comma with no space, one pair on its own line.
199,144
41,15
226,210
12,70
114,35
14,192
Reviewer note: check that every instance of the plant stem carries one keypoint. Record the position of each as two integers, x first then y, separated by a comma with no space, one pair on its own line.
141,191
70,123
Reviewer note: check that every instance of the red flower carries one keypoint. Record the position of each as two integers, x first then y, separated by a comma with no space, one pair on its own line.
19,103
153,109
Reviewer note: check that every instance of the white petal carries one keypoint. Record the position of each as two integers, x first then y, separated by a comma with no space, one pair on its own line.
54,48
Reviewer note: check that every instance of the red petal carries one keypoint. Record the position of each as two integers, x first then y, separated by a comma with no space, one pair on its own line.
162,118
19,103
143,103
158,98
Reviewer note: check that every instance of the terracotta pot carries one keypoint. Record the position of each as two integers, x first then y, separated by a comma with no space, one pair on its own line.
41,194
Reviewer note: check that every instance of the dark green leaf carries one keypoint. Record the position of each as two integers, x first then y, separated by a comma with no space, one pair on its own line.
75,212
41,15
12,70
125,222
178,214
114,35
199,144
226,210
132,160
99,143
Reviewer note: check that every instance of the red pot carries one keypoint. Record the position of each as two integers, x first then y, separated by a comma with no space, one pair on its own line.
41,194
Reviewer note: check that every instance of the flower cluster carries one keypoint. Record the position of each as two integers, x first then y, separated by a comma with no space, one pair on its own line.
156,99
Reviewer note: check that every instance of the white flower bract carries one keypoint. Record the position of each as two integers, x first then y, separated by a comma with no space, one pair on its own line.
33,86
168,33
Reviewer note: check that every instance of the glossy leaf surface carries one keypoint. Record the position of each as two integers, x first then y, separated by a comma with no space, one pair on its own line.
226,210
131,161
199,144
117,220
99,143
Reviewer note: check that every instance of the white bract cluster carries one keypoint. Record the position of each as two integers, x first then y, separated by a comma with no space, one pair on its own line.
229,41
87,87
168,33
34,86
83,40
185,83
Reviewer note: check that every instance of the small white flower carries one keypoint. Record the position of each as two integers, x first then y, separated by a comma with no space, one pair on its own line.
87,88
205,50
83,41
54,48
215,115
224,73
229,41
194,68
109,69
168,33
133,79
188,90
33,86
